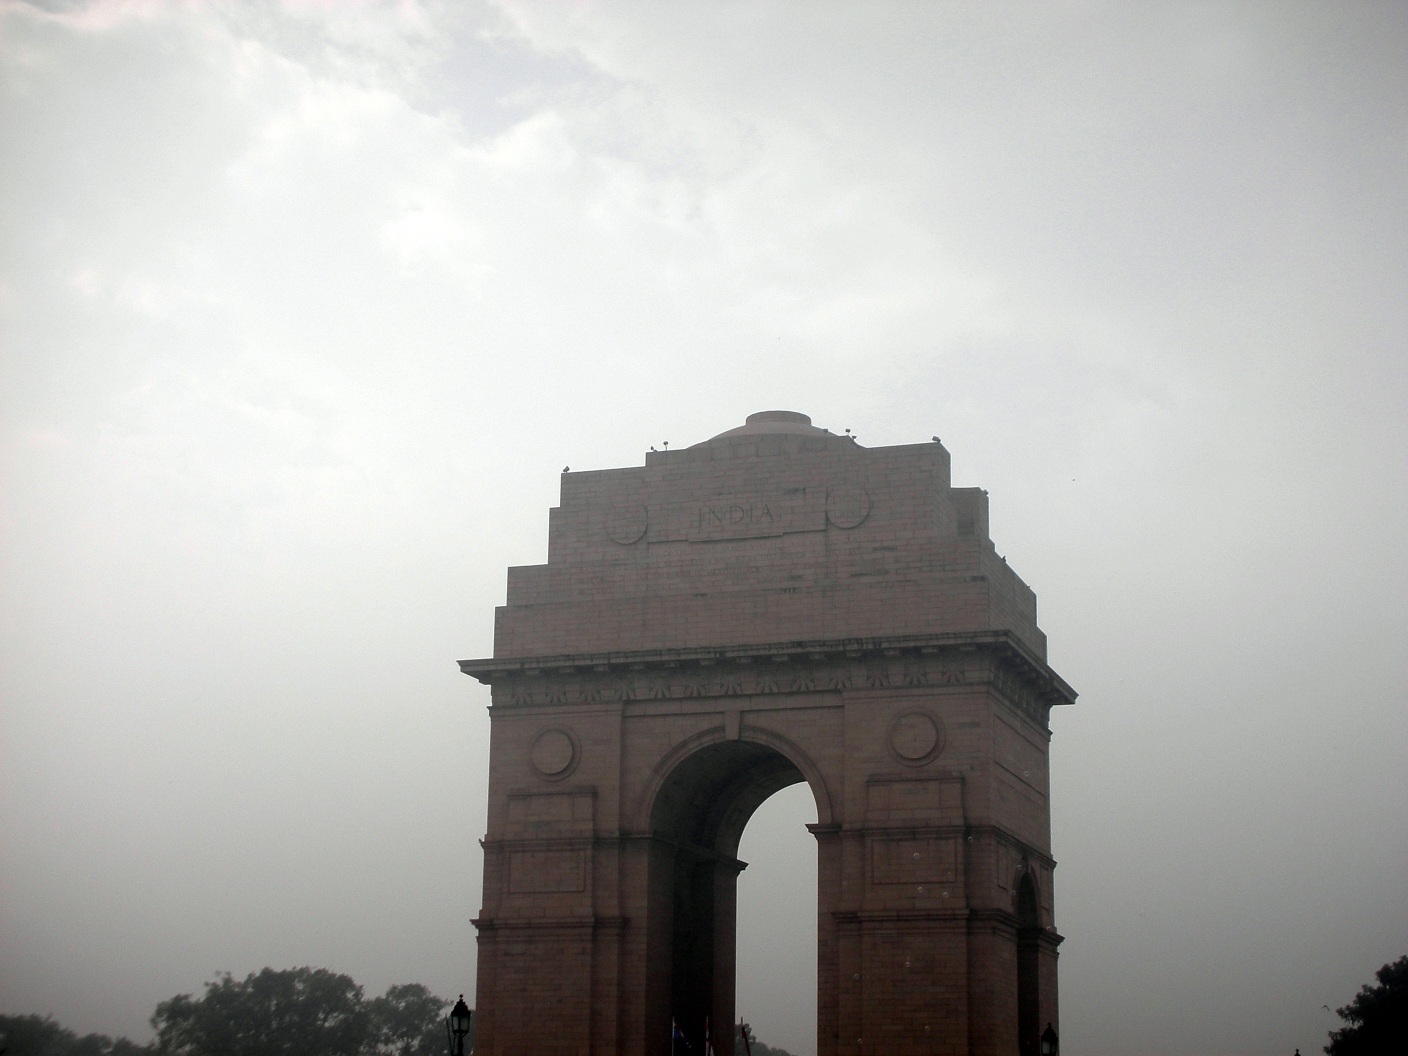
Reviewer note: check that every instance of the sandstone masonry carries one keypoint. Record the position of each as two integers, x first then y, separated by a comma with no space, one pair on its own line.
774,605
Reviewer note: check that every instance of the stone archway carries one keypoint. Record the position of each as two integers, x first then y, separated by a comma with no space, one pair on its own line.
774,605
698,816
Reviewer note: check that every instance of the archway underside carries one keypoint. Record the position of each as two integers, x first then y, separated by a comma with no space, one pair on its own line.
708,798
698,819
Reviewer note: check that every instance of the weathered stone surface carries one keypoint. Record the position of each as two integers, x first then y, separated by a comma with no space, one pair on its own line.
777,604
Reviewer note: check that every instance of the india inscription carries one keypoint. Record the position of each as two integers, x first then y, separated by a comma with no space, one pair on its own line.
740,516
774,605
740,519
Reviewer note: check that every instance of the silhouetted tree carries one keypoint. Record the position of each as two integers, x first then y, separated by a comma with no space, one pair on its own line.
1376,1021
408,1020
294,1012
41,1036
299,1012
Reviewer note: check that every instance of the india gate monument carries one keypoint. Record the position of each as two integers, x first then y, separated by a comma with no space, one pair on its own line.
774,605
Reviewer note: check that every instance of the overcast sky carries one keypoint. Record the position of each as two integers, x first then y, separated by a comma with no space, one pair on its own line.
304,306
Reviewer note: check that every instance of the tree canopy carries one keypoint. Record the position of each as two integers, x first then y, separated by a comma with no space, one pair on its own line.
294,1012
299,1012
408,1020
1376,1021
41,1036
288,1012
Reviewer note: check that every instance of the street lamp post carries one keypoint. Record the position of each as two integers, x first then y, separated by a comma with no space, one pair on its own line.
457,1026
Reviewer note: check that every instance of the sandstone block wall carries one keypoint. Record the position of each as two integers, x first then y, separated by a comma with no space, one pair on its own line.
774,605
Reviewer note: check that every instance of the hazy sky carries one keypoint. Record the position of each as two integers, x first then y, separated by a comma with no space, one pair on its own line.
304,306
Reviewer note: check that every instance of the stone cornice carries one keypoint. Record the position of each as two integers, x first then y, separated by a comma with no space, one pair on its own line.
893,662
593,923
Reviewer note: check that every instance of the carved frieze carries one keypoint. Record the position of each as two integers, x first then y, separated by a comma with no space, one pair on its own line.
743,515
1022,684
552,688
1023,693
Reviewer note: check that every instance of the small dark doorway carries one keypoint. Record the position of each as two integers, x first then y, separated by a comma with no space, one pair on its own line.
1028,988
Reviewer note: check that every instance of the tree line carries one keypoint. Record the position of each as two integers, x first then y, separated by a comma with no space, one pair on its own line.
288,1012
317,1012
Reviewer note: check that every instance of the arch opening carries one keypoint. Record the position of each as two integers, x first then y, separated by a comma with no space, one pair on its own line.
696,824
777,978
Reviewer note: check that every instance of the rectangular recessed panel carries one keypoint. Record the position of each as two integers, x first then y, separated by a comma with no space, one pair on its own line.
546,872
550,813
755,515
928,860
933,801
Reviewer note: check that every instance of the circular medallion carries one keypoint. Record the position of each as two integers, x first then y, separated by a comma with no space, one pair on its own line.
916,738
554,753
626,524
847,506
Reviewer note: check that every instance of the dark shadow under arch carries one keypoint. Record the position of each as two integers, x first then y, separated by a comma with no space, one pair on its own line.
697,817
667,771
1028,967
